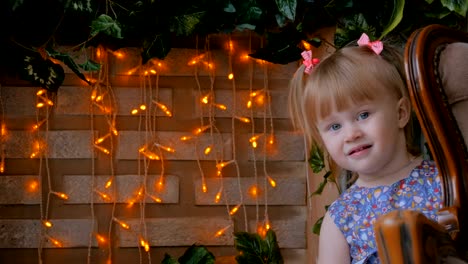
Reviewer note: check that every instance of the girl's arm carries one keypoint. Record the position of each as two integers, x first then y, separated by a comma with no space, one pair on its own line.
333,247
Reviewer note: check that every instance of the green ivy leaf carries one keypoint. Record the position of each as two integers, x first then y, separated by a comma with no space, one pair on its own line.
197,255
287,8
184,25
41,72
90,66
316,159
79,5
253,249
458,6
15,4
322,185
274,253
249,247
67,60
229,8
169,260
106,25
395,18
158,46
317,225
352,28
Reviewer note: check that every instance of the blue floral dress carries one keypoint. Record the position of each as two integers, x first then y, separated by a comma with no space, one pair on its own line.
356,210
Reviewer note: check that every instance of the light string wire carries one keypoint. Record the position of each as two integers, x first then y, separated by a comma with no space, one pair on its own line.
93,175
266,140
103,98
202,123
252,149
41,140
233,135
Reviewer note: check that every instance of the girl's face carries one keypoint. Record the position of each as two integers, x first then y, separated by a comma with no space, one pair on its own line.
367,138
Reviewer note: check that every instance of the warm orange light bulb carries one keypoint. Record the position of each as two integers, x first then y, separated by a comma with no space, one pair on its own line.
260,99
4,130
163,108
221,165
204,188
101,239
243,119
231,76
33,185
143,107
205,99
254,138
156,199
108,183
306,45
134,111
101,139
207,150
104,150
60,195
47,223
168,149
218,197
235,209
271,181
271,139
222,231
121,223
201,129
130,203
185,138
104,196
220,106
55,242
161,182
119,54
253,191
41,92
254,144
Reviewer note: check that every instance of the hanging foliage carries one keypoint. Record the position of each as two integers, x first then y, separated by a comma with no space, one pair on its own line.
154,26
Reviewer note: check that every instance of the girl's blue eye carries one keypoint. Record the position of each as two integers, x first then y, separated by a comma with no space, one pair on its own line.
335,127
363,115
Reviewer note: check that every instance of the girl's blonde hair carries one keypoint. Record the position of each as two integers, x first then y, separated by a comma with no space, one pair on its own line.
350,75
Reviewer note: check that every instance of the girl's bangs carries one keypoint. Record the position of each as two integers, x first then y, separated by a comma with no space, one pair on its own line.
341,93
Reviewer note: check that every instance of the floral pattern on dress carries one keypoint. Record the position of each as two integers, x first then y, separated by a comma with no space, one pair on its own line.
357,209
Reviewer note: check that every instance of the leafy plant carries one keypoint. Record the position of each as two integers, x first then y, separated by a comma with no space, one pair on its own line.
152,25
195,254
254,249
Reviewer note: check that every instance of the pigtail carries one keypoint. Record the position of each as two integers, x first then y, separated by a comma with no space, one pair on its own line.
295,99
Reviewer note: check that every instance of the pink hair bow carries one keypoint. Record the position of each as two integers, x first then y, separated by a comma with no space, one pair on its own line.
309,62
376,46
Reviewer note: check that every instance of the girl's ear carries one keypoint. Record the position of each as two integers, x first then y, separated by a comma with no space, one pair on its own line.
404,112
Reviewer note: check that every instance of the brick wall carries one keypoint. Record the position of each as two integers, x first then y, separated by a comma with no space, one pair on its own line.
185,214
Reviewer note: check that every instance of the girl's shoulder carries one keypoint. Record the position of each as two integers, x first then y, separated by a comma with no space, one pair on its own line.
427,169
423,176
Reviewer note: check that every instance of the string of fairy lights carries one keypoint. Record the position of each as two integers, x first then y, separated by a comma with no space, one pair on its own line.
152,150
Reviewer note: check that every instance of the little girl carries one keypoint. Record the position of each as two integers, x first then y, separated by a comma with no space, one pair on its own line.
355,106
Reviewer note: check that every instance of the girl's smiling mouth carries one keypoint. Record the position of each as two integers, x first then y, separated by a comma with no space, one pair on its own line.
358,150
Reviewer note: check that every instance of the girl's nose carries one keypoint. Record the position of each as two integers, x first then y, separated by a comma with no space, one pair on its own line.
353,132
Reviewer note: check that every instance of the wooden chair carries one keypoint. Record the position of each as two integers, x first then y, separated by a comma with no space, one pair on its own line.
436,65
